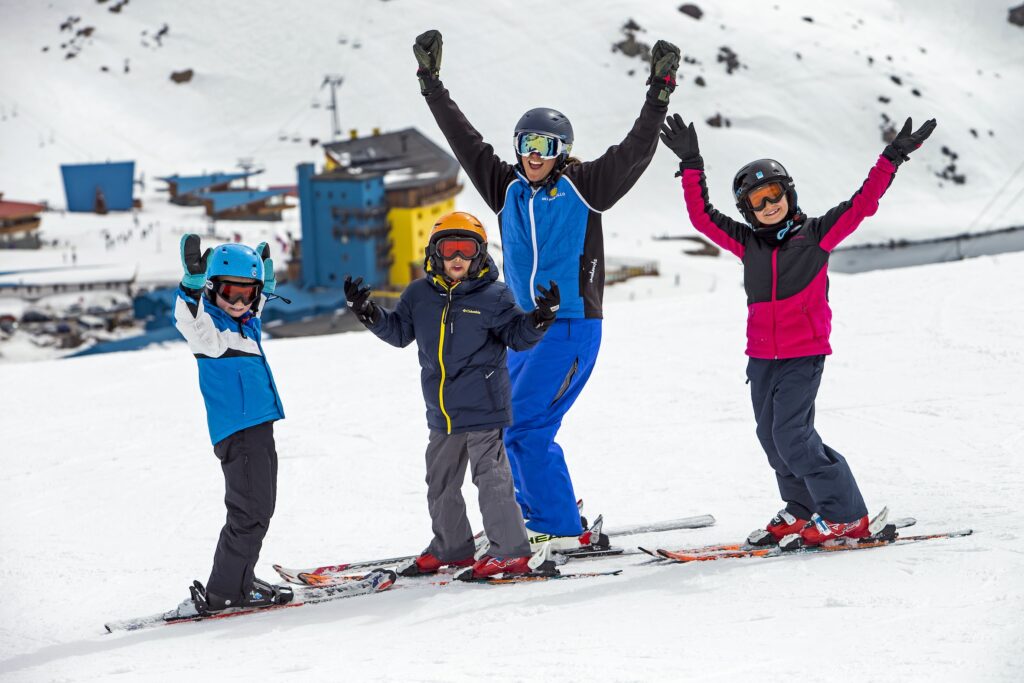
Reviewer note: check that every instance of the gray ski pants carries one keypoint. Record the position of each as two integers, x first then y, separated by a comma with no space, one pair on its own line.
484,452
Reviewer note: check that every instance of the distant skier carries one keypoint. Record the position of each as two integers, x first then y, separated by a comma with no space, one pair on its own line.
785,264
217,310
549,208
462,319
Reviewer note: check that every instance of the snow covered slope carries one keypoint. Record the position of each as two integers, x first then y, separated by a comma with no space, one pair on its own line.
110,498
808,89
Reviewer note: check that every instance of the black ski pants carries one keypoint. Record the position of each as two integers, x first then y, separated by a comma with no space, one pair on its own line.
249,462
812,476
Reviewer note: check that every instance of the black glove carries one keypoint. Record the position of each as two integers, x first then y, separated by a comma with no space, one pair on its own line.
664,64
682,140
193,262
358,296
547,301
906,142
427,49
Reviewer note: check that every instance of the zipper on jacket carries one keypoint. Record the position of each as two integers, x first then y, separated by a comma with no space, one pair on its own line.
440,357
775,285
533,236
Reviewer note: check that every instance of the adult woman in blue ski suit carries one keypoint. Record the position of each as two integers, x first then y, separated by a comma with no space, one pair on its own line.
549,209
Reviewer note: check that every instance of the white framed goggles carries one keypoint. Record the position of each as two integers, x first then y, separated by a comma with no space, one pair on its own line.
547,146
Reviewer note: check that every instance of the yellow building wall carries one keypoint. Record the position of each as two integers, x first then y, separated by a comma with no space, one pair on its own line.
410,231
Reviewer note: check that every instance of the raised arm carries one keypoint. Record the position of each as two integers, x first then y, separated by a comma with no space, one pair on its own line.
394,327
489,174
605,180
725,232
838,223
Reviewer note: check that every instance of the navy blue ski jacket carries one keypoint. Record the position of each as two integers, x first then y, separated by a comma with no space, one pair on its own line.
234,377
462,331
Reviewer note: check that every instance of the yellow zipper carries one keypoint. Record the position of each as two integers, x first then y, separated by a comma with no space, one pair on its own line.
440,355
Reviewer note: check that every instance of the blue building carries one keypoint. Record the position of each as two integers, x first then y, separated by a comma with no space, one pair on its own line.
99,188
344,227
183,189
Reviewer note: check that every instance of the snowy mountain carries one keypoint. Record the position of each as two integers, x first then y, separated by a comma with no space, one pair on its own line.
812,84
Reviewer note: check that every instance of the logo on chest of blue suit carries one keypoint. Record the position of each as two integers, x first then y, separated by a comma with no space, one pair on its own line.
552,196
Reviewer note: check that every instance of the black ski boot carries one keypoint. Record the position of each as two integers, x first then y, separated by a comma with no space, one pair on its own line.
261,594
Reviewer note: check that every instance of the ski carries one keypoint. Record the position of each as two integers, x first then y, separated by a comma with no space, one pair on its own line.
887,537
901,523
374,582
527,578
323,575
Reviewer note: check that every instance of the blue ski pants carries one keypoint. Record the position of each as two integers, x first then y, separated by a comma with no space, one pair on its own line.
812,476
546,380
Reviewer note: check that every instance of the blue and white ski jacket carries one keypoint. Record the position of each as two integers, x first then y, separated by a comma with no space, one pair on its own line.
552,232
234,376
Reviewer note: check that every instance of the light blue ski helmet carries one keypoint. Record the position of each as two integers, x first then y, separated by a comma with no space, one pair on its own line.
235,260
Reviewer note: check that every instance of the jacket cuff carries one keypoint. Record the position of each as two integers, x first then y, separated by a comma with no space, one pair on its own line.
694,163
429,85
655,93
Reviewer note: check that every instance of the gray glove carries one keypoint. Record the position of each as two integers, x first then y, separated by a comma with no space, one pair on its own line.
427,49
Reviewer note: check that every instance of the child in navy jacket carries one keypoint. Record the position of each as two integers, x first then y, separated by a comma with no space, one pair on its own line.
462,319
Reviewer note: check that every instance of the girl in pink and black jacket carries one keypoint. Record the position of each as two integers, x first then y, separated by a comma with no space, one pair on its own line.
785,275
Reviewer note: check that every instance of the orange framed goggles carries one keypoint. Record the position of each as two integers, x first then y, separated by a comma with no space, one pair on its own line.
762,195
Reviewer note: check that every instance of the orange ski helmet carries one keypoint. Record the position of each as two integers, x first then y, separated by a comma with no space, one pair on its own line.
456,230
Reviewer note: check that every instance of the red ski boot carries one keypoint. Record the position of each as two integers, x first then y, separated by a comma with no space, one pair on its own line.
488,566
820,530
782,525
428,563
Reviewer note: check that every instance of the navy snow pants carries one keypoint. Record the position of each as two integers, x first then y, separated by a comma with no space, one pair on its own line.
249,462
812,477
546,380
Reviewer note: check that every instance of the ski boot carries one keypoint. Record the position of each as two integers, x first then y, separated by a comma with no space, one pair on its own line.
260,594
428,563
591,539
541,563
820,531
782,525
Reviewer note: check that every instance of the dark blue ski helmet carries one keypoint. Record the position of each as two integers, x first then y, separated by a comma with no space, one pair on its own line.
547,121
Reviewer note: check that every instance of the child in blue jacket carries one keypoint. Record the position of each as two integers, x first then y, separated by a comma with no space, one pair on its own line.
217,310
462,320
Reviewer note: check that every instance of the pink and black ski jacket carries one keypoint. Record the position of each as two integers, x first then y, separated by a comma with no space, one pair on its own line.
787,284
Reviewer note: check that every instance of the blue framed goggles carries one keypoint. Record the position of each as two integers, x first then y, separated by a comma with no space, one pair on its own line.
547,146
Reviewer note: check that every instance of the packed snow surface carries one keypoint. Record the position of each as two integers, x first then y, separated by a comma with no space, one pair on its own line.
111,501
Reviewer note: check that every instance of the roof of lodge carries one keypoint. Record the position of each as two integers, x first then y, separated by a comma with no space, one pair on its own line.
18,209
407,158
223,201
193,183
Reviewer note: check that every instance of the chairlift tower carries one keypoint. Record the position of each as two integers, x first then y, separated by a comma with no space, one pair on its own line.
334,81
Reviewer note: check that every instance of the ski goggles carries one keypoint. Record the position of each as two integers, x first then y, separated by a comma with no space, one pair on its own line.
760,196
547,146
464,247
236,292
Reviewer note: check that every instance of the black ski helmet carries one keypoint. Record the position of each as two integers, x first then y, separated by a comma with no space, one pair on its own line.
548,122
755,174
